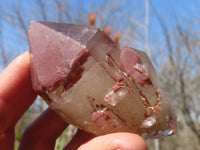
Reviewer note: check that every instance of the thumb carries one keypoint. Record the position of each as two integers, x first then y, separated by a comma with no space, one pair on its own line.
115,141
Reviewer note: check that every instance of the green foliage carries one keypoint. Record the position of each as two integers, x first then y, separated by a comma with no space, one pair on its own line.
18,136
16,146
65,137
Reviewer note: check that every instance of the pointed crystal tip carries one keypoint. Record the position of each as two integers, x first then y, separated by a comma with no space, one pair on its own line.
87,80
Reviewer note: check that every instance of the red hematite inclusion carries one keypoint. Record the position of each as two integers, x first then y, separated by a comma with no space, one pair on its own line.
87,80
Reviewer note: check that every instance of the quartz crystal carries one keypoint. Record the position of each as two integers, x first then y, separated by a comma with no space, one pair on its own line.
90,83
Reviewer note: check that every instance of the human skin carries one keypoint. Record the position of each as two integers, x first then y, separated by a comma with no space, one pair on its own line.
16,96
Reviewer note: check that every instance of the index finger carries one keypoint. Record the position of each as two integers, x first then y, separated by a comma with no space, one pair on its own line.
16,93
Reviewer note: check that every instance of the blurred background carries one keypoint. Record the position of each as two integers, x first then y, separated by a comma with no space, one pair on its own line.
168,30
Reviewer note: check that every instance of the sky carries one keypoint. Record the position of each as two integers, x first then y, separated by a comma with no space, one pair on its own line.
165,8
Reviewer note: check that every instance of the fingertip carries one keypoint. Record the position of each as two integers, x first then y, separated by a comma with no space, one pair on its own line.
21,61
15,79
122,141
129,141
23,58
16,93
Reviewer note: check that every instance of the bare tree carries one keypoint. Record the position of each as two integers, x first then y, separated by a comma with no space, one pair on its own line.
178,57
180,68
108,13
4,56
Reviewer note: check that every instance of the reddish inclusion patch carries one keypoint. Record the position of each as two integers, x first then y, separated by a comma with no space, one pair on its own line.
128,61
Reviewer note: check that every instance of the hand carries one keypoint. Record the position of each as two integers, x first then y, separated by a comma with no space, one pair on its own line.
16,95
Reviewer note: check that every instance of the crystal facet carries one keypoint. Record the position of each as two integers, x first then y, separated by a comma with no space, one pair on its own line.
89,82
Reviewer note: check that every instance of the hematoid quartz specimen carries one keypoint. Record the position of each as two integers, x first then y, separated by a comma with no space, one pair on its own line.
90,83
